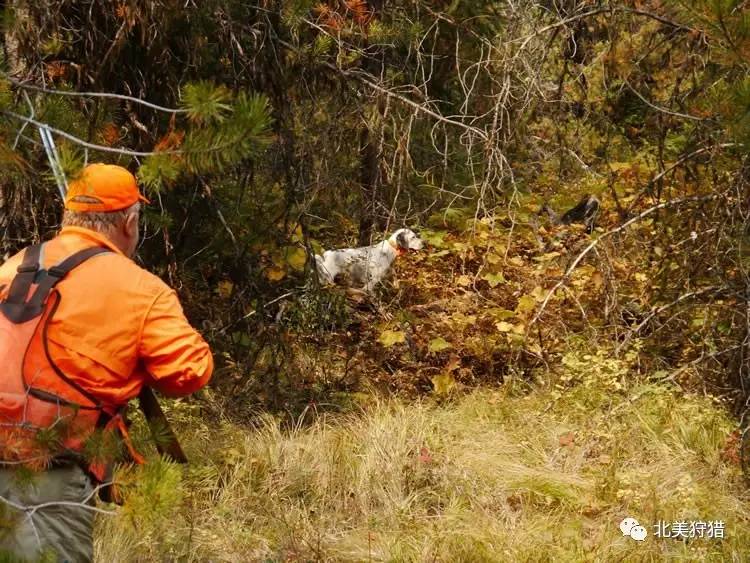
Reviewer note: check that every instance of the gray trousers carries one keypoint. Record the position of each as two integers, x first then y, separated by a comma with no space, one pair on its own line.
58,532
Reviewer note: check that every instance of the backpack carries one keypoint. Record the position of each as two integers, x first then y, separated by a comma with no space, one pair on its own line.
44,416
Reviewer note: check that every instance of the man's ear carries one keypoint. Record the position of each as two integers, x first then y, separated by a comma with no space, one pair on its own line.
401,240
131,225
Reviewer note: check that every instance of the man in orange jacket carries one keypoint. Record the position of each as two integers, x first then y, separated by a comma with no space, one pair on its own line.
108,328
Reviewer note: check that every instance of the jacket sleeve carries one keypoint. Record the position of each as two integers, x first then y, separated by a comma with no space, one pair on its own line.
173,353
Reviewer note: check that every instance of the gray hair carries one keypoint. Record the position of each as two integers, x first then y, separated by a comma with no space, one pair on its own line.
102,222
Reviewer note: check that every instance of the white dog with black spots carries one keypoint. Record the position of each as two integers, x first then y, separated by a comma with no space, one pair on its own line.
366,266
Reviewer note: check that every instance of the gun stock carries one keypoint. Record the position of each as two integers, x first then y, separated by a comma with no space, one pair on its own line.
164,437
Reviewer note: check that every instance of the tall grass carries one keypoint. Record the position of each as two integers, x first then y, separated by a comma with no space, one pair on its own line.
490,476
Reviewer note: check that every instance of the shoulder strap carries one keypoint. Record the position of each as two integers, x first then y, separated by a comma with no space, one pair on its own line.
19,287
15,307
56,273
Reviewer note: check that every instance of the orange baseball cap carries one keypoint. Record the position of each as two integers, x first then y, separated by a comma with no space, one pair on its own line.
106,187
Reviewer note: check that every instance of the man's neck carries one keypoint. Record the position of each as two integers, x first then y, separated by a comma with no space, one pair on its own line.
94,236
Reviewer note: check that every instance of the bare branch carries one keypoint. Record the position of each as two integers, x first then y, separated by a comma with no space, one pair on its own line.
594,243
407,101
658,310
36,88
81,142
598,11
661,109
360,77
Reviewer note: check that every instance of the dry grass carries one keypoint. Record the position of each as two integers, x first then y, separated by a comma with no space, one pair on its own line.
496,475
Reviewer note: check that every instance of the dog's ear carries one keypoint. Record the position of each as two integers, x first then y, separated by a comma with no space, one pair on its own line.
401,239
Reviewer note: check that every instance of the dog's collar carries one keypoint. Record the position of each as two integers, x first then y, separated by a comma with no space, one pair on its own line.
399,251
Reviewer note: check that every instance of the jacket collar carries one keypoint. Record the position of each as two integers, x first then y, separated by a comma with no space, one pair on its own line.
98,238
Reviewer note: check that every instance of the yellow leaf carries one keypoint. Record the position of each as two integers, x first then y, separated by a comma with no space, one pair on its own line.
546,257
538,293
597,279
504,326
463,281
525,304
390,337
443,383
534,347
439,344
296,257
617,166
274,273
494,259
297,235
225,289
500,313
494,279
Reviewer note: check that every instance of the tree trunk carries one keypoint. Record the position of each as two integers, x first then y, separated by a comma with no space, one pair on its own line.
370,152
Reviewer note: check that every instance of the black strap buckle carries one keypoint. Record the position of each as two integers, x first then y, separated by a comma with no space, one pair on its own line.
27,269
56,272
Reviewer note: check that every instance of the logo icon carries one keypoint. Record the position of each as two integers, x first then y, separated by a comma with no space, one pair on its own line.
631,527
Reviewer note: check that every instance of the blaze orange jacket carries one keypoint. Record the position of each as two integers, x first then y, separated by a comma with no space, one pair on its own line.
117,326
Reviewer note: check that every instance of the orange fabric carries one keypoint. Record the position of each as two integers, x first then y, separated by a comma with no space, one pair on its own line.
113,186
21,413
399,251
118,327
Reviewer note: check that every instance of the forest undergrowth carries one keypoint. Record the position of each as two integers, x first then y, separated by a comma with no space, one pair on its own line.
453,428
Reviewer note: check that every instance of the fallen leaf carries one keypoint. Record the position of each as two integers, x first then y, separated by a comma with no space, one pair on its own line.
501,314
439,254
567,439
225,289
597,280
274,273
546,257
538,293
296,258
443,383
439,344
503,326
525,304
494,279
494,259
390,337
